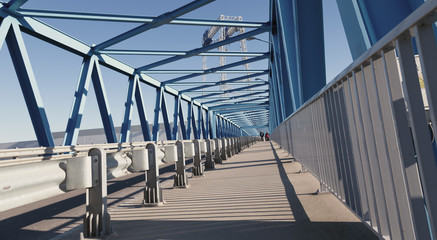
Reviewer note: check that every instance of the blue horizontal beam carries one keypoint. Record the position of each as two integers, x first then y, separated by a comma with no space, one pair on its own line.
179,53
233,90
213,83
212,70
135,19
236,97
197,51
159,21
229,81
222,92
258,126
231,106
170,71
241,109
245,101
251,113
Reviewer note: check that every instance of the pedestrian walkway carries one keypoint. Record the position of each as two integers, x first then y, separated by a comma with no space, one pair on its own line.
257,194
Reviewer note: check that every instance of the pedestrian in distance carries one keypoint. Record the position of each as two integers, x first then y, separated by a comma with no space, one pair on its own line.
261,134
267,136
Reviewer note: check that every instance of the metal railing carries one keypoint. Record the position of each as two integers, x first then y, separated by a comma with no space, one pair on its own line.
366,135
32,174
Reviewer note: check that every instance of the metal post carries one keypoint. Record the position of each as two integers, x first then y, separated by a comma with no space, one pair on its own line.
197,165
223,152
97,222
228,147
180,178
217,157
153,192
209,164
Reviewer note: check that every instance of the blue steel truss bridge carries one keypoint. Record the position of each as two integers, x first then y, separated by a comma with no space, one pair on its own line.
365,138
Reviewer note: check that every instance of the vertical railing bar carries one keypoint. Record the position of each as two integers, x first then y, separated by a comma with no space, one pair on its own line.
424,150
405,142
382,165
374,214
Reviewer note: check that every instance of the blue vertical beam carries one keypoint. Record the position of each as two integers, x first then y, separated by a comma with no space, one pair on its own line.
182,121
219,126
213,125
189,117
365,22
202,124
102,101
177,100
302,38
286,80
130,100
155,130
142,113
193,124
165,117
207,133
199,122
28,85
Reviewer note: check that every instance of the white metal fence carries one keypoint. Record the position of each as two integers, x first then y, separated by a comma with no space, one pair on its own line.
366,136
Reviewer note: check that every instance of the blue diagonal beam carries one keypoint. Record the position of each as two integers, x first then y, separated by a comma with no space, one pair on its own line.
159,21
130,100
102,101
29,87
236,97
135,19
197,51
212,70
228,81
165,119
174,134
142,114
15,4
79,101
232,90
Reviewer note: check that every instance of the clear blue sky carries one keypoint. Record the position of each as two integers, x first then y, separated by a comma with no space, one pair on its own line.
57,71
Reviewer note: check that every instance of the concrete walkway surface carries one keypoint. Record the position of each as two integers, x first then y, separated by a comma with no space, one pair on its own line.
256,194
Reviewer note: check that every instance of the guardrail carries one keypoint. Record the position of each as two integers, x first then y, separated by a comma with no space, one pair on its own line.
366,135
32,174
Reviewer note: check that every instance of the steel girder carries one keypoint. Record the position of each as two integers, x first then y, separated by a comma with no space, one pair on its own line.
160,20
228,81
212,70
179,53
197,51
130,18
366,22
90,72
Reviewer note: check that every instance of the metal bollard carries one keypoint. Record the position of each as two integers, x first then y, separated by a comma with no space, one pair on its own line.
153,192
233,152
223,151
228,147
180,179
197,165
97,222
217,157
209,164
